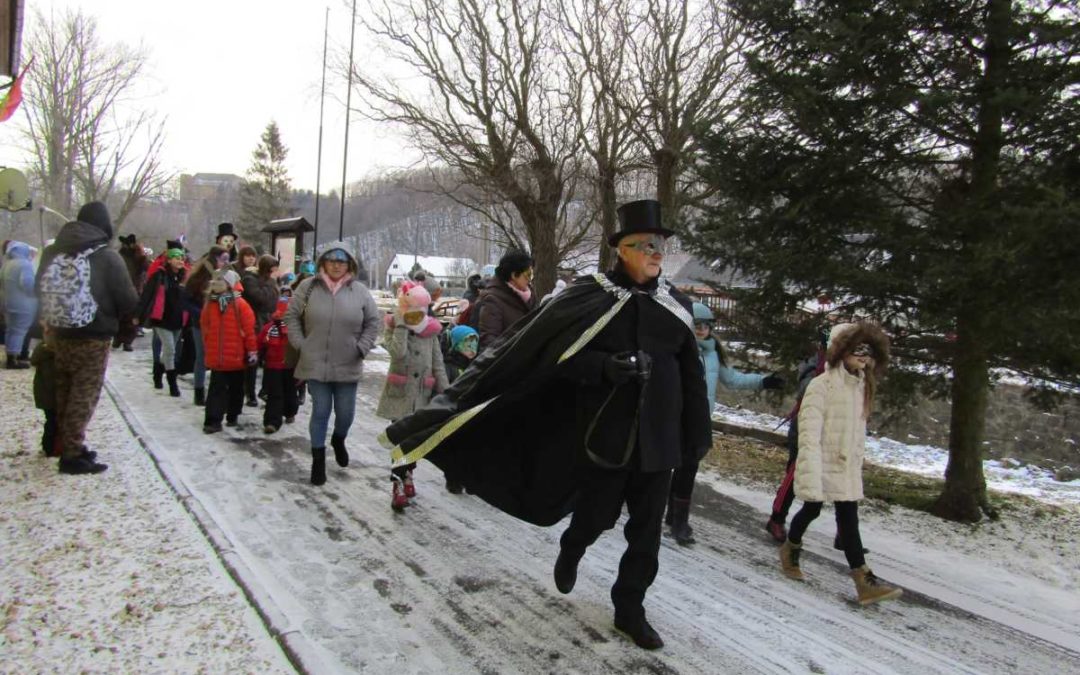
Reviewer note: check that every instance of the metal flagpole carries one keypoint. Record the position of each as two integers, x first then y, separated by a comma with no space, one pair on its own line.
318,169
348,101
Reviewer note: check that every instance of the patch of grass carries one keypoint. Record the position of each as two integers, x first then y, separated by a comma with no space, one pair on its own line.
762,464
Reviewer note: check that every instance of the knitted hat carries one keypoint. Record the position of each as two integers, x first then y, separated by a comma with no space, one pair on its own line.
702,312
413,297
461,333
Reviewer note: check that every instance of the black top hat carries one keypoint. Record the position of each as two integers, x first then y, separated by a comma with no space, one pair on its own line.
640,216
173,243
225,229
128,240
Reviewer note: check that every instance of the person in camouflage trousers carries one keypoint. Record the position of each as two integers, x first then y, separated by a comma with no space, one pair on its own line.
82,353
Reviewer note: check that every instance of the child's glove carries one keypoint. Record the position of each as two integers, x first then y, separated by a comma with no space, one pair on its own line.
252,358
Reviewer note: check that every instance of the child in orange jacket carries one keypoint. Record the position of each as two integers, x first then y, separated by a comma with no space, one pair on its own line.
229,346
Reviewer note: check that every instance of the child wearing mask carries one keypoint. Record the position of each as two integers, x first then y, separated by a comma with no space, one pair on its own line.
464,343
832,441
278,380
416,373
717,371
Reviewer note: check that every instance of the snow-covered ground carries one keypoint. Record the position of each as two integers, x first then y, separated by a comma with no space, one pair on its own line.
927,460
453,585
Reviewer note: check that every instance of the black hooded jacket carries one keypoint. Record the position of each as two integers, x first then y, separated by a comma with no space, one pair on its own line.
110,283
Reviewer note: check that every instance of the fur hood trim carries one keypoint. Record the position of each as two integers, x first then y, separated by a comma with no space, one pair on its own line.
847,336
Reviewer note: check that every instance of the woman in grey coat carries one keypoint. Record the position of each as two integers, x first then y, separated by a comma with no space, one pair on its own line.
333,320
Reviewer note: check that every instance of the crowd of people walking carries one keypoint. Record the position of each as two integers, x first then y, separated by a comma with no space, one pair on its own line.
596,397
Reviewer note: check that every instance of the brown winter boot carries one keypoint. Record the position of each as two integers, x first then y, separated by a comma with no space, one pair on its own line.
789,560
870,588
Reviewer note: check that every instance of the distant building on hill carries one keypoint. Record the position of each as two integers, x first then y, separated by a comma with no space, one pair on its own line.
450,272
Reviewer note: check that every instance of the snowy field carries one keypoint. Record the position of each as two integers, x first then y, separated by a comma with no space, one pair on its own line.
114,573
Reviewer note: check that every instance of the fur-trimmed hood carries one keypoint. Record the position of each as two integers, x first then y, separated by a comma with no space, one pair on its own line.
847,336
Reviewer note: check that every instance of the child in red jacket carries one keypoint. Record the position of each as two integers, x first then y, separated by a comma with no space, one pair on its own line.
278,381
229,345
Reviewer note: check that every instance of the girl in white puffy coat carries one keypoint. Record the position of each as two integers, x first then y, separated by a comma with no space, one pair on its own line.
832,441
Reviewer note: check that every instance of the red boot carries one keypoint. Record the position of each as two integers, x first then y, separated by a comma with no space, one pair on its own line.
398,500
410,487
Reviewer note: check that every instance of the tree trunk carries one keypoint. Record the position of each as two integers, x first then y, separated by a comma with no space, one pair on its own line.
608,220
666,190
964,494
965,485
540,226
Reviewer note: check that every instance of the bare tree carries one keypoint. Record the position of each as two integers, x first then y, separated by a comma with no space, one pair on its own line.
86,143
594,32
689,74
491,107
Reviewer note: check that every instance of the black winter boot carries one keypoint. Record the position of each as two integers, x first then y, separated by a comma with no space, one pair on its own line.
200,396
566,570
159,372
318,466
680,525
637,628
174,390
13,363
340,453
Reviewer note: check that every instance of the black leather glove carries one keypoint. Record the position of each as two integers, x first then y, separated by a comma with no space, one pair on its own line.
620,368
773,381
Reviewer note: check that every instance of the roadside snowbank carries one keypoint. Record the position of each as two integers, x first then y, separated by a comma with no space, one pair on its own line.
927,460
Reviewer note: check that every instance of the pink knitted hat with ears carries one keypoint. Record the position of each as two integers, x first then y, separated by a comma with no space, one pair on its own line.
413,296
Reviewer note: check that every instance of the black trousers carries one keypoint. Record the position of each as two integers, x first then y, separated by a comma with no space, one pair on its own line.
598,509
847,527
225,397
280,387
682,481
250,375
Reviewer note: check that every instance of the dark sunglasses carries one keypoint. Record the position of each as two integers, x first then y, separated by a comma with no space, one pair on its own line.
862,350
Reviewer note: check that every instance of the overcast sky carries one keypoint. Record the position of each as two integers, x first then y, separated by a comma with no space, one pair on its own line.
222,69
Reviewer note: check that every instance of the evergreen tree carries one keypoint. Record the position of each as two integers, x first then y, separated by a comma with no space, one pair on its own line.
265,194
917,162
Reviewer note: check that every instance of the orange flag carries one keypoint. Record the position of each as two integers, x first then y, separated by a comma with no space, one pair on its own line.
13,98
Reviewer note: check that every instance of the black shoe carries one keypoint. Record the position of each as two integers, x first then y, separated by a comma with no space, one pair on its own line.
679,510
566,571
159,373
88,453
453,487
340,453
252,402
128,347
13,363
211,428
639,631
270,429
318,466
232,423
262,395
200,396
80,465
839,545
290,419
115,343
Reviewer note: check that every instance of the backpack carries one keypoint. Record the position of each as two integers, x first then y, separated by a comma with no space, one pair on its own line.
64,291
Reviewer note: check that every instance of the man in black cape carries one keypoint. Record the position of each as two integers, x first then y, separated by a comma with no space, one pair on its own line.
585,404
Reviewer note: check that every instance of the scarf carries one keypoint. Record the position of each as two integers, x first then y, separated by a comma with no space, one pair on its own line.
335,286
525,295
222,299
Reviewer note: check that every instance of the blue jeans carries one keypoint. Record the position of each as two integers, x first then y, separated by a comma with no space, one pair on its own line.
18,325
199,375
341,396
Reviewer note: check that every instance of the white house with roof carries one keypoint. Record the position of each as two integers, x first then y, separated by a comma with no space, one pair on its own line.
448,271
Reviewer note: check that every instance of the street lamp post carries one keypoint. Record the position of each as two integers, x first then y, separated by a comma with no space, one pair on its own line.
41,221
